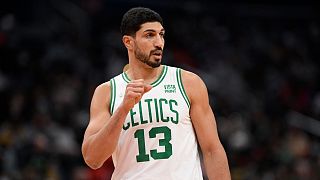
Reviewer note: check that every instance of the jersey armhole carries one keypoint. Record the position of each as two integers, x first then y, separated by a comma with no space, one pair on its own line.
181,87
113,95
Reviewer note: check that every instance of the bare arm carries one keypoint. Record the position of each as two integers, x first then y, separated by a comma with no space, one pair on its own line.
103,131
215,159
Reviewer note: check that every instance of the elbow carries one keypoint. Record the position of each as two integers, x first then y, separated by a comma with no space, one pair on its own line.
94,157
93,164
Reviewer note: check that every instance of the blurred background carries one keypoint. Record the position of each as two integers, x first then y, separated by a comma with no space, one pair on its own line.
260,61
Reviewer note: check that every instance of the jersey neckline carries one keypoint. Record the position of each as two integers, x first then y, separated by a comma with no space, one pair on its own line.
153,84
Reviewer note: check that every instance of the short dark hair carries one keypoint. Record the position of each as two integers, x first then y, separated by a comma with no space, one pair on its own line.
135,17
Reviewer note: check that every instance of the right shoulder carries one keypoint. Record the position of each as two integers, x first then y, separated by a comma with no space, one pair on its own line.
103,88
102,94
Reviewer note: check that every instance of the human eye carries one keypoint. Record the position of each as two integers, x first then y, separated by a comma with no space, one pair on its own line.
161,34
149,35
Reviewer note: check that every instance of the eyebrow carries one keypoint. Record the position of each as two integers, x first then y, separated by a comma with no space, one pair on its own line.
152,30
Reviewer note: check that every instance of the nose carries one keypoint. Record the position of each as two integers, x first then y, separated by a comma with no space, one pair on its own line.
159,41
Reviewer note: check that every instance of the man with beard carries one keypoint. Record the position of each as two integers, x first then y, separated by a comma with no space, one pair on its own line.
152,117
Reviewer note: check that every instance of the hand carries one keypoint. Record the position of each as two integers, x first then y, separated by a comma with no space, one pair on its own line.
134,92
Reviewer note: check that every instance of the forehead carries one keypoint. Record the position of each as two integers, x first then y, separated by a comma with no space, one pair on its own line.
156,26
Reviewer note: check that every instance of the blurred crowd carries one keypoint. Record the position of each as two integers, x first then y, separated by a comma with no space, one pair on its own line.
262,74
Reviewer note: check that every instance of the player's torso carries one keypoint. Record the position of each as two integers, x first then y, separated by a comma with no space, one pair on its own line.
157,139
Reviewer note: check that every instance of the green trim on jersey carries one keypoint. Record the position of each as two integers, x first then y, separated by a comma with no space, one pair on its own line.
181,88
155,83
113,94
161,77
125,77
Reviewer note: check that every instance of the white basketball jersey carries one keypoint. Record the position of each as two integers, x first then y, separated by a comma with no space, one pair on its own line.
157,140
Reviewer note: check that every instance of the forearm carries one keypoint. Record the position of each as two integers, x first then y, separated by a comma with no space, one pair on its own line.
98,147
216,165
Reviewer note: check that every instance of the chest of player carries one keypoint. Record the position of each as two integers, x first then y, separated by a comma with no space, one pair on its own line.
160,105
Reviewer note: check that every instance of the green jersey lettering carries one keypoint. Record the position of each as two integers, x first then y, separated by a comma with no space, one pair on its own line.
156,108
149,108
141,114
132,113
171,102
161,110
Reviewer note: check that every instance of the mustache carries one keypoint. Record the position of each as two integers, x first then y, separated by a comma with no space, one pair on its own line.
158,50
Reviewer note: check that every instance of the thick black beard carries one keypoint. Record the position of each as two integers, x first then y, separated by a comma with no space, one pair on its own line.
153,64
146,59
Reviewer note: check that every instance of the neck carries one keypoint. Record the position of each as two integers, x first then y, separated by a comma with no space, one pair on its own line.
140,70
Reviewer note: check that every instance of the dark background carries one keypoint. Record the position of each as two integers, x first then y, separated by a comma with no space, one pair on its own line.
260,62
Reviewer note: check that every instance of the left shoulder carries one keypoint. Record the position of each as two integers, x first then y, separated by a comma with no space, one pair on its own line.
190,78
193,84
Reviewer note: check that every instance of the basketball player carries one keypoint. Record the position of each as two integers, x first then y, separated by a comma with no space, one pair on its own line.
151,117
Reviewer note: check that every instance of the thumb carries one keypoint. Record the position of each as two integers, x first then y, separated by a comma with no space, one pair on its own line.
147,88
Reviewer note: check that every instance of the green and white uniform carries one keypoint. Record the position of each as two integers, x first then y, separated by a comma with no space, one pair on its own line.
157,140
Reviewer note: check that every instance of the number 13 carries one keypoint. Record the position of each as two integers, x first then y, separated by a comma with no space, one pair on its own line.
143,156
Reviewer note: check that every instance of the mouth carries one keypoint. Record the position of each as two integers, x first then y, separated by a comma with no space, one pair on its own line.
157,53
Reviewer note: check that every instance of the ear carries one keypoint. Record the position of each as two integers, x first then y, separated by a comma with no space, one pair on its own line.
127,41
